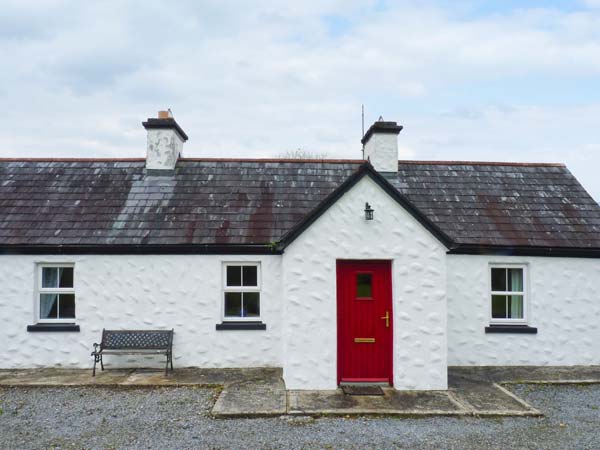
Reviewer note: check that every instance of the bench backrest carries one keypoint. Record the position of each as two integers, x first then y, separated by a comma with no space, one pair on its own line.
137,339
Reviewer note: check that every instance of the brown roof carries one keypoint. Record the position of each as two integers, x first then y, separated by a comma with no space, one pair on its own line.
503,204
232,202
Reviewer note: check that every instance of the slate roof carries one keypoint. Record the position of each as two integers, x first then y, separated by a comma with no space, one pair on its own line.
115,203
256,202
502,204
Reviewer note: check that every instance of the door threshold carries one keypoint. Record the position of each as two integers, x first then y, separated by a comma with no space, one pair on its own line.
358,382
362,389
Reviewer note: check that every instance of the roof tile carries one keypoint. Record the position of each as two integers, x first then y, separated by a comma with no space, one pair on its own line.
71,202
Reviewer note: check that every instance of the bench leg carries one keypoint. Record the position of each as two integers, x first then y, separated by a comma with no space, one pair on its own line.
171,358
94,369
167,366
101,363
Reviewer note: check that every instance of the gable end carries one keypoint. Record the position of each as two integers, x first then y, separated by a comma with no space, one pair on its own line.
365,170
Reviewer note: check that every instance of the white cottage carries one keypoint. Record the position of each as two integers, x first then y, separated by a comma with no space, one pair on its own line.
336,270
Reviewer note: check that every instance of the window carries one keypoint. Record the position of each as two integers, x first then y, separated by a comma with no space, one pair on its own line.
56,293
508,287
241,292
364,285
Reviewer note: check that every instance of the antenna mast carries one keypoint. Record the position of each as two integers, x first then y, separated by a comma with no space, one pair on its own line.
362,108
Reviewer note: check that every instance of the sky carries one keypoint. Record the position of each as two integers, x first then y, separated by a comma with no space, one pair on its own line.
469,80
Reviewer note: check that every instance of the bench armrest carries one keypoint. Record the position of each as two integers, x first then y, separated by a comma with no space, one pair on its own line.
95,348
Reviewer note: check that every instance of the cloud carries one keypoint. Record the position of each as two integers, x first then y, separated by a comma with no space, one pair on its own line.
521,134
260,80
592,3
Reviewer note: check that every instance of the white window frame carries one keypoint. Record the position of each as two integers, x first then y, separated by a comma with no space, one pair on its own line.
42,290
524,293
256,288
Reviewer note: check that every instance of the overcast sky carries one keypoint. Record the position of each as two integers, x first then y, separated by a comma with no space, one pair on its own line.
516,81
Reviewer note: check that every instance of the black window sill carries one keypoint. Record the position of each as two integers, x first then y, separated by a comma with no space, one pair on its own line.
53,327
518,329
241,326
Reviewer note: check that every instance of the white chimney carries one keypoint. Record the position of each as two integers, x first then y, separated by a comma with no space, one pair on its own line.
380,145
165,141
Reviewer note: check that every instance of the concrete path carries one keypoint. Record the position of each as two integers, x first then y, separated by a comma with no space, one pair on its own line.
250,392
472,391
397,403
526,374
260,392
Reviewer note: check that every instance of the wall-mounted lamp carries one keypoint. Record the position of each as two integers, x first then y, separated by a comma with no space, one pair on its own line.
368,212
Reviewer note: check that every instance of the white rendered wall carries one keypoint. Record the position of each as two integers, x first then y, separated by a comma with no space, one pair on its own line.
149,291
564,305
382,151
164,146
418,278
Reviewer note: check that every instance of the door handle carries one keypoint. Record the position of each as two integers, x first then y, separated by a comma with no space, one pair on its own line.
387,319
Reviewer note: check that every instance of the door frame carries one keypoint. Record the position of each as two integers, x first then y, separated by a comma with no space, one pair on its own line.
389,347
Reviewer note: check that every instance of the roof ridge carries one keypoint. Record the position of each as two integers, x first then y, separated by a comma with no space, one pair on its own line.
266,160
483,163
293,160
42,159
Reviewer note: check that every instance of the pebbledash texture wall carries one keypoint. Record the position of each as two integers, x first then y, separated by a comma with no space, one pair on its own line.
183,292
441,303
563,303
419,285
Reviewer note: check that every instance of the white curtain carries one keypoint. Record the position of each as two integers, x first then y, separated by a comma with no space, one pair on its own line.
47,302
516,301
49,277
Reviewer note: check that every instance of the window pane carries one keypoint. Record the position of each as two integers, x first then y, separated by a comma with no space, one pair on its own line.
50,277
499,307
233,304
499,280
515,280
515,303
250,275
66,306
234,275
65,277
363,285
251,304
48,306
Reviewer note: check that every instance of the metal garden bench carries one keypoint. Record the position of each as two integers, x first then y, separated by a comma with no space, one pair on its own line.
134,342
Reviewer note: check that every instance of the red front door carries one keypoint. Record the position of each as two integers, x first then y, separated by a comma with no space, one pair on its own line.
364,299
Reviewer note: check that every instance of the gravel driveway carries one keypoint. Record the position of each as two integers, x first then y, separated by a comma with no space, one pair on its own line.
178,418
